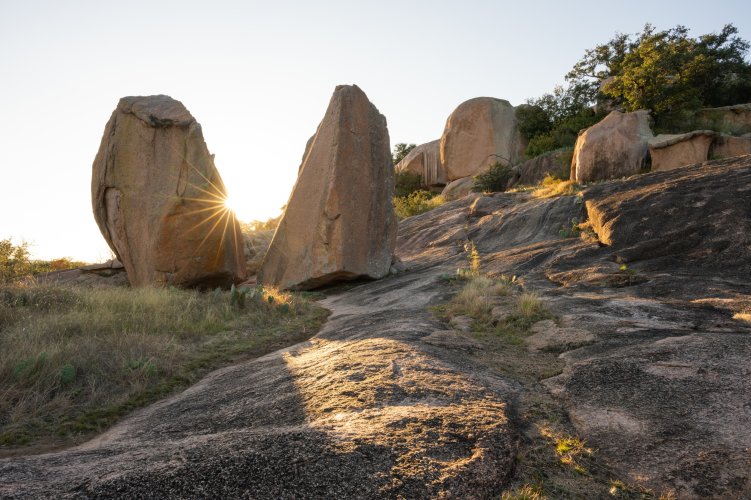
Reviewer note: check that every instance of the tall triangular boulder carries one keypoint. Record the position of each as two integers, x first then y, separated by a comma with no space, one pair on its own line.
339,223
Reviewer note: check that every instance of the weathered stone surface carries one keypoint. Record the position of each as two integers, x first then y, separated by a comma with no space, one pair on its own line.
669,151
534,170
425,160
547,336
458,188
159,200
612,148
694,213
476,131
339,223
735,119
727,146
482,206
365,409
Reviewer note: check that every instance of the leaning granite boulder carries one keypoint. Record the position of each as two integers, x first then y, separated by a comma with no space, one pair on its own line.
159,200
669,151
425,160
728,146
339,223
478,133
614,147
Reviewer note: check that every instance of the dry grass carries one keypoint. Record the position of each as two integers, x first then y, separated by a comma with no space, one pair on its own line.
551,187
526,492
74,360
475,299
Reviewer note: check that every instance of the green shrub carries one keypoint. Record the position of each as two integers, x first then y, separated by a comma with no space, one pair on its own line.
495,178
416,203
406,183
540,144
14,261
533,120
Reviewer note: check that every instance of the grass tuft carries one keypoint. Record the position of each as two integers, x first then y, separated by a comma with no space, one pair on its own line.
551,187
475,299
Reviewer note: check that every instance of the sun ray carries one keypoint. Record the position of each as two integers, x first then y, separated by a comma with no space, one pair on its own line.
228,216
211,231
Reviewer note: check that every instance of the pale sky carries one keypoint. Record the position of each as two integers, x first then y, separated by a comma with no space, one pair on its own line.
258,77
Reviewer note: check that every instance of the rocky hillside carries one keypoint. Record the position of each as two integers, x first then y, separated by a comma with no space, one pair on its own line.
644,356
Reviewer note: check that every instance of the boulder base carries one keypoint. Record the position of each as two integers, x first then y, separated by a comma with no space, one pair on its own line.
339,223
159,200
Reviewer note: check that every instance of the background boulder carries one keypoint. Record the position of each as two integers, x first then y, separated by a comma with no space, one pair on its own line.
339,223
159,200
669,151
726,146
477,130
735,119
425,160
612,148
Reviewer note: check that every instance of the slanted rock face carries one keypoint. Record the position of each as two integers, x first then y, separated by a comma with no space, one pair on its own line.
159,200
697,212
476,130
339,223
425,160
669,151
725,146
735,119
612,148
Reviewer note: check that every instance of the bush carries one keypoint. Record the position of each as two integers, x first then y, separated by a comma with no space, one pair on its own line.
406,183
495,178
563,133
416,203
14,261
533,120
540,144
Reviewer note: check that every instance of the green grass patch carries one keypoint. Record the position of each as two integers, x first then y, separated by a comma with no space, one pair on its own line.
75,360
